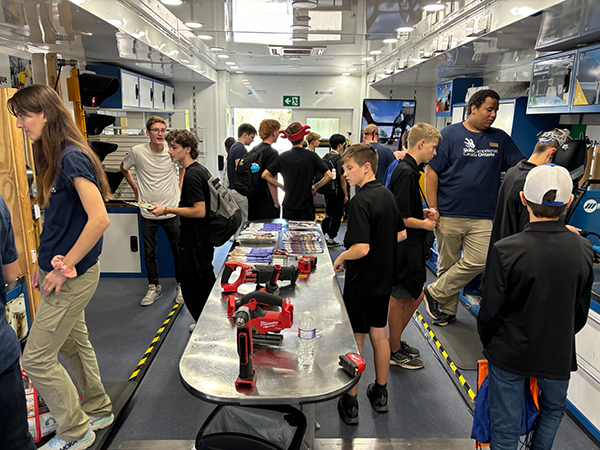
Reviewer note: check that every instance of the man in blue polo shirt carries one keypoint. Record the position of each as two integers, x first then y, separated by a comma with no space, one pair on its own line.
462,183
14,430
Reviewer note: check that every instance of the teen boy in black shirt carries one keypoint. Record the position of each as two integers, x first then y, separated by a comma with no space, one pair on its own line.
536,298
334,202
196,251
371,237
298,167
265,205
407,292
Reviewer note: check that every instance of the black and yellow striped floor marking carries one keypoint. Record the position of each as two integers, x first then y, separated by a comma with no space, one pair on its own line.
158,339
447,358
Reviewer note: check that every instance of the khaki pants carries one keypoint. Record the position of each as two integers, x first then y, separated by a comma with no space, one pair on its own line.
455,271
59,325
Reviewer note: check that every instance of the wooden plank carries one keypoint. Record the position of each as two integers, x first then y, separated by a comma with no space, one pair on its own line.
52,72
15,189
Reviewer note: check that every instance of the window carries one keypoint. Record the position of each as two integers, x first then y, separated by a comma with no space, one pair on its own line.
324,127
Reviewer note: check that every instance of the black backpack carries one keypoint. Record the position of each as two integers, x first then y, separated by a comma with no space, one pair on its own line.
247,182
330,187
224,216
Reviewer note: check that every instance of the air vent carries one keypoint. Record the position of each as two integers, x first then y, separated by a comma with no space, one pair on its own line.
296,51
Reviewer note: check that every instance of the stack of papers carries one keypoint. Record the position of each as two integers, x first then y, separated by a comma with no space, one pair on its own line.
251,255
302,242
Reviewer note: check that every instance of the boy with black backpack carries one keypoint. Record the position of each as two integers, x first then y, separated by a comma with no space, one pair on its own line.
335,191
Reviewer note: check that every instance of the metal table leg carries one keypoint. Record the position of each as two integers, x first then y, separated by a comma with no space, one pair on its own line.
309,437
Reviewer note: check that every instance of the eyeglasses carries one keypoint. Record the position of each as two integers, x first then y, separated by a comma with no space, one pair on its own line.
158,130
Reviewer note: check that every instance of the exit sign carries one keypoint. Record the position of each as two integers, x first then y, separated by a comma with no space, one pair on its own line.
291,100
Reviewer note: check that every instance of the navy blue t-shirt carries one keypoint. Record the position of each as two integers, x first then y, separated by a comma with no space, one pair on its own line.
65,216
9,344
468,166
236,151
386,157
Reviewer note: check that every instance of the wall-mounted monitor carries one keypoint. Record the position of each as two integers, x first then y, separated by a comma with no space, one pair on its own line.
392,117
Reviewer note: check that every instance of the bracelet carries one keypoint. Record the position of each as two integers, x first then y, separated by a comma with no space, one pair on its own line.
58,264
165,213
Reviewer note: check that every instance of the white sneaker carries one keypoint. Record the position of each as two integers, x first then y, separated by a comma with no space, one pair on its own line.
57,443
99,423
179,297
153,294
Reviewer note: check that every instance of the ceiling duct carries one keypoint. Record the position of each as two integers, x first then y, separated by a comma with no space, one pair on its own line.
295,51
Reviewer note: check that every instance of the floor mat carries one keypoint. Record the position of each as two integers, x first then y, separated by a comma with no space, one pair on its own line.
459,338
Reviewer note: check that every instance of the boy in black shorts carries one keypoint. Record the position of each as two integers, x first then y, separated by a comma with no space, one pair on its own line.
371,237
407,292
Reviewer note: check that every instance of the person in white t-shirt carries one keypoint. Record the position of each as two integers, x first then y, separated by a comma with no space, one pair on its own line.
156,182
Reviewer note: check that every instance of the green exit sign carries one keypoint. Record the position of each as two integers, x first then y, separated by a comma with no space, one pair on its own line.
291,100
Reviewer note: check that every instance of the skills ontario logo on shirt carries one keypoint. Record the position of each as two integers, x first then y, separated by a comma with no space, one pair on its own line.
470,150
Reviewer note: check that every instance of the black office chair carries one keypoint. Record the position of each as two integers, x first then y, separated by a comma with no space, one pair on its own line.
277,427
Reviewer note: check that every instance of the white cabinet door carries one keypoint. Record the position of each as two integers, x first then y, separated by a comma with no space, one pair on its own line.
170,98
159,96
130,90
117,256
146,95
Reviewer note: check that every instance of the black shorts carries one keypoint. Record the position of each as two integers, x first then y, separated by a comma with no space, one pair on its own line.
411,271
367,311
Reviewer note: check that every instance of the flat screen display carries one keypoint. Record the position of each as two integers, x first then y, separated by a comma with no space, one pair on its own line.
392,117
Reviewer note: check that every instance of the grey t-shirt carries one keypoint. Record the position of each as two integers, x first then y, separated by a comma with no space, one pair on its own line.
157,178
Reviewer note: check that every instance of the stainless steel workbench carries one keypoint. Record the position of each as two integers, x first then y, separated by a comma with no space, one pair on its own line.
210,364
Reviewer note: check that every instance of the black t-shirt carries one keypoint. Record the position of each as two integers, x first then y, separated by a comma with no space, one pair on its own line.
404,184
373,220
298,167
193,232
269,154
236,151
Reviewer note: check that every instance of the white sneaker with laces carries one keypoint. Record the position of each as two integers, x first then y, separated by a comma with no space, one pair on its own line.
57,443
179,297
153,294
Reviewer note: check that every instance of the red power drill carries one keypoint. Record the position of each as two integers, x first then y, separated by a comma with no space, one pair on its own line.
307,264
255,324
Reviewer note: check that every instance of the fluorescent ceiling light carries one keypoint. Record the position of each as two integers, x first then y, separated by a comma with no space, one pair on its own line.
216,49
171,2
230,63
234,67
405,29
304,4
375,52
367,58
345,74
222,55
183,60
434,7
194,24
390,41
204,37
352,69
239,71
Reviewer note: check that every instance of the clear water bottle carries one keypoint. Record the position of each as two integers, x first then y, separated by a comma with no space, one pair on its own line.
334,173
307,334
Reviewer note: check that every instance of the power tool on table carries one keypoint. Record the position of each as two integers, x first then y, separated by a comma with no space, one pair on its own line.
261,273
256,325
307,264
352,363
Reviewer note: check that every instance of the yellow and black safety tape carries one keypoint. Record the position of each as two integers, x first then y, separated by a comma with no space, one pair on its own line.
155,343
447,358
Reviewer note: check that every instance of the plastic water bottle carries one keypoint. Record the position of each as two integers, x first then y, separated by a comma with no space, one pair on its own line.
255,169
334,173
307,334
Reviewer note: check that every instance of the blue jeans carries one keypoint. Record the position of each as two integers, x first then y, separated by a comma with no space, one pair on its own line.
14,430
507,392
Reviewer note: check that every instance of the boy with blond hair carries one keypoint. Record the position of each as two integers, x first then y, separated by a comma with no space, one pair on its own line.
371,237
407,292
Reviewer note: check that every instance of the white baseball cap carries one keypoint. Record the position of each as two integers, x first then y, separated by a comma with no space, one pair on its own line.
548,177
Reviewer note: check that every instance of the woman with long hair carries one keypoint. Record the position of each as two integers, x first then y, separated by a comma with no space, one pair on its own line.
71,188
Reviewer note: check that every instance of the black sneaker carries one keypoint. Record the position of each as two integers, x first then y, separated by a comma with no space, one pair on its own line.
406,361
348,415
431,305
412,351
379,404
444,319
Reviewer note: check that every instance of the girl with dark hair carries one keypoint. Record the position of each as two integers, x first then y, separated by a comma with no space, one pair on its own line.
72,188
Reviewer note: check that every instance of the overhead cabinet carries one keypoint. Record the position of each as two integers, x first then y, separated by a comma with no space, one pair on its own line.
137,91
551,84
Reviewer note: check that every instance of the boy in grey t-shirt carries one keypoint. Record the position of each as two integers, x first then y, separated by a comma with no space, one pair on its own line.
156,182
